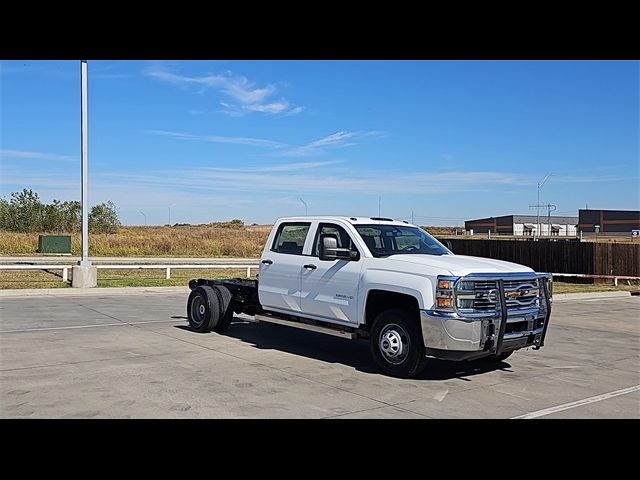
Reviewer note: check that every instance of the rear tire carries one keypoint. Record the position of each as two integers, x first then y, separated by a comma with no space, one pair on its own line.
226,309
397,345
203,309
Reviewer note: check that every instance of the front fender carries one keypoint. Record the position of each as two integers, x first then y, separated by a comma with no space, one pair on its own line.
419,286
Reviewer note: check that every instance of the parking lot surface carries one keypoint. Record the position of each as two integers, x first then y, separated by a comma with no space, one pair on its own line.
133,356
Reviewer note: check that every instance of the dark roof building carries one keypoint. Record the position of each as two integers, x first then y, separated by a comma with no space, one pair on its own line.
523,225
609,221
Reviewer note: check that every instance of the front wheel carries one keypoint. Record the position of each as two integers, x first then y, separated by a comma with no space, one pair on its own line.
396,344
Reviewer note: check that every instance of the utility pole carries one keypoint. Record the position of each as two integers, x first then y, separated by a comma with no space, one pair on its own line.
550,208
412,217
379,199
145,217
540,184
306,210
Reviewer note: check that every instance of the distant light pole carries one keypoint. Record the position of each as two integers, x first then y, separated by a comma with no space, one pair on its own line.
169,207
379,200
145,217
305,206
540,184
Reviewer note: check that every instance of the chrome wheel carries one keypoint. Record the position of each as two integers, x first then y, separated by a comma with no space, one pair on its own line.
394,344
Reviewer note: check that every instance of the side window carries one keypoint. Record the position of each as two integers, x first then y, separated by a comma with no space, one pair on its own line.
344,240
290,238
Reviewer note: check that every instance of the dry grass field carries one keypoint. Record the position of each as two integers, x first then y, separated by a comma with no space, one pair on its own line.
177,241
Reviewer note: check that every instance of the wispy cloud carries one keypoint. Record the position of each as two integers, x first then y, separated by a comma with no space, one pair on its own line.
283,167
339,139
256,142
29,154
312,177
321,145
244,95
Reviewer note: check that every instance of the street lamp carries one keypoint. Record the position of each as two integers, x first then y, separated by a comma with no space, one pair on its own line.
169,207
145,217
84,261
305,206
540,184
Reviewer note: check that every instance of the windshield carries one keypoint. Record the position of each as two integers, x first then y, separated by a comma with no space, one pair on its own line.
385,240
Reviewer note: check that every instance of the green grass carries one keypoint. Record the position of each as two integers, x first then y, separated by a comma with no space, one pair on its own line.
115,278
566,287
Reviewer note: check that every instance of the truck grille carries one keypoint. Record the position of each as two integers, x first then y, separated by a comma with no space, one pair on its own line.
482,295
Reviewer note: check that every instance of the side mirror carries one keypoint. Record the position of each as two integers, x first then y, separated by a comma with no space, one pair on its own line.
329,249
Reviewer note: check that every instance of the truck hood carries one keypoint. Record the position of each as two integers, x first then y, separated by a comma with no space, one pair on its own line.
460,265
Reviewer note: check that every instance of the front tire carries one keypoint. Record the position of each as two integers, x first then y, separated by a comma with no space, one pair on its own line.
397,345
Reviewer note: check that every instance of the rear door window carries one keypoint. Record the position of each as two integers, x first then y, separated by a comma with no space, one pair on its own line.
290,238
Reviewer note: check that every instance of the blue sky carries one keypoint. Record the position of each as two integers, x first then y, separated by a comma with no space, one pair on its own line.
216,140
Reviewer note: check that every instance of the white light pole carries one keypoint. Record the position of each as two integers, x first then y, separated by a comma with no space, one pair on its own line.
540,184
84,275
84,261
306,210
170,206
145,217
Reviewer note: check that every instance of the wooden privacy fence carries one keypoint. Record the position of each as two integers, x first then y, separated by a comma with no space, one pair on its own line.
558,256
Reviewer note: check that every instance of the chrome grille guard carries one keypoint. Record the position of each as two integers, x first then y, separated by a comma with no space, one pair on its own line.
502,311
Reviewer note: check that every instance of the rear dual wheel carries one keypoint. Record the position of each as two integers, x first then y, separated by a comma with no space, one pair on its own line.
209,308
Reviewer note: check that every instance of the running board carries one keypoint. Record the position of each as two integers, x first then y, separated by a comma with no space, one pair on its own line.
335,331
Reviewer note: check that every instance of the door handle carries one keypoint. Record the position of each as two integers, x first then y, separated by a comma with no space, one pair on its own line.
310,266
267,262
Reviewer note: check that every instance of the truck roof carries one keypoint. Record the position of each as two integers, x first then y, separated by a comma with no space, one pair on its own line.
355,220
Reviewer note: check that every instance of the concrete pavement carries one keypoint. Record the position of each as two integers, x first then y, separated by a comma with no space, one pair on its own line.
132,356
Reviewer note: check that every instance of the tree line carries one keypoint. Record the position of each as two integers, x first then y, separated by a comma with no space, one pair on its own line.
25,212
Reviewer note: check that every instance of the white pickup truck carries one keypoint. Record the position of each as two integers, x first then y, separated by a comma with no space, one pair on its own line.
387,281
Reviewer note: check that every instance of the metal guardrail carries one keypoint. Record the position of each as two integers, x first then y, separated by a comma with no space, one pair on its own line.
166,268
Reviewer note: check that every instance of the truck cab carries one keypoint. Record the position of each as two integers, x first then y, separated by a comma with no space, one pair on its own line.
391,282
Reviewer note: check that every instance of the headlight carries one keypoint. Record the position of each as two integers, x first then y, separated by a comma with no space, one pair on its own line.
444,293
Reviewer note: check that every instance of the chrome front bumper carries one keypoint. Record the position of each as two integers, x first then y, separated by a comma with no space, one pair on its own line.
493,332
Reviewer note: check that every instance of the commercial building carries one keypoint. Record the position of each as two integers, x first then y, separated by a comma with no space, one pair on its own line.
615,222
524,225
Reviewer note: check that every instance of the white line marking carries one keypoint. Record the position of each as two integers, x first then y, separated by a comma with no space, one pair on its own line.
86,326
440,395
579,403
